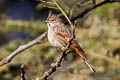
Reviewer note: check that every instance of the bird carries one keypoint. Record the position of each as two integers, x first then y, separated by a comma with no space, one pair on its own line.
59,36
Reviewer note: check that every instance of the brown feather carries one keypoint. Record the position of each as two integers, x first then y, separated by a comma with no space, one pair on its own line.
64,35
75,47
79,51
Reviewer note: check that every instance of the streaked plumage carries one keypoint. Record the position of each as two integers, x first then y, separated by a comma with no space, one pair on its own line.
59,35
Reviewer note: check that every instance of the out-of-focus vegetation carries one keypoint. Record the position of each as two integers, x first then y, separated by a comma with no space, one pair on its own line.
98,34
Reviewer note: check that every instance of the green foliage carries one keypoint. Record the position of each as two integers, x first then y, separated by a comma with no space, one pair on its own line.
34,27
104,11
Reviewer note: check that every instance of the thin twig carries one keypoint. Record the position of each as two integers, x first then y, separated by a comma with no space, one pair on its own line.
46,2
50,7
74,6
73,27
43,36
54,66
60,59
94,2
63,13
23,73
92,8
57,64
22,48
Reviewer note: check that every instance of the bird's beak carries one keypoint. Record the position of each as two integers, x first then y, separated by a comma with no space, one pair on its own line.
46,21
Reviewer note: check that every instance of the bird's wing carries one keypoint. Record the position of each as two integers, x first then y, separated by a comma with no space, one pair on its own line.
64,33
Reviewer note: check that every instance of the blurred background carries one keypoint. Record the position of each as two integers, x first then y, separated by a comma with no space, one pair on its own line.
98,32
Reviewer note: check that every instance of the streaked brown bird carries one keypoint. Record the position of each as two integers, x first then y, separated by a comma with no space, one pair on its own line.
59,36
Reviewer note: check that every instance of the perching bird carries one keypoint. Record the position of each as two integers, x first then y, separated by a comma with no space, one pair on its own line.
59,36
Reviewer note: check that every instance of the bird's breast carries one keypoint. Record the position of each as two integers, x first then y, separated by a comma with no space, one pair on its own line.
55,40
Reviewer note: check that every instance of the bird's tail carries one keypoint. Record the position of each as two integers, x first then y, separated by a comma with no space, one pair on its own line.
85,59
89,65
79,51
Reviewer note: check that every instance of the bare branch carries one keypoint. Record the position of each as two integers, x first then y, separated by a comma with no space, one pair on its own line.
92,8
57,64
94,2
60,59
63,13
46,2
73,27
74,6
23,73
22,48
54,66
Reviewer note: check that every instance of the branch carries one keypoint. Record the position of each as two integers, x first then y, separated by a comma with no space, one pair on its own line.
23,73
75,5
92,8
63,13
22,48
54,67
61,57
73,26
57,64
